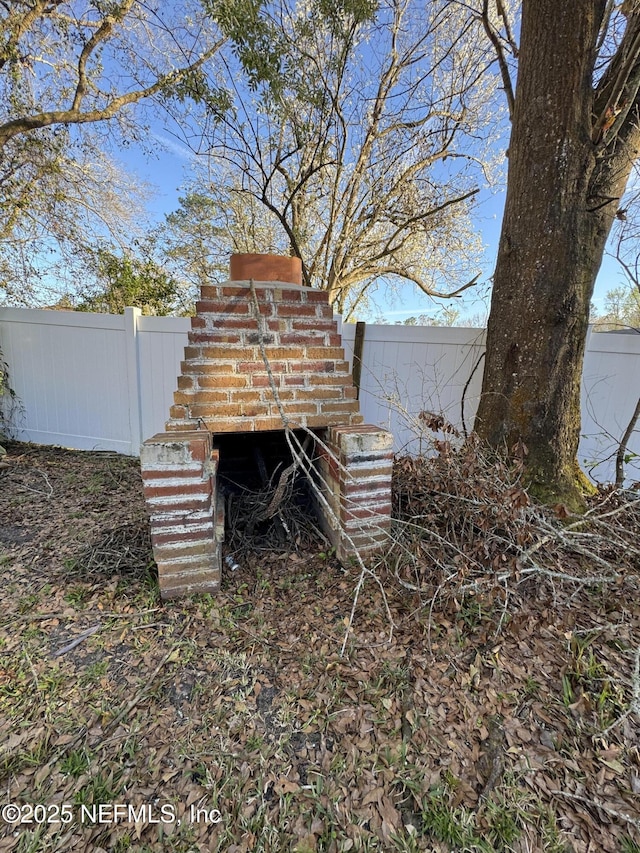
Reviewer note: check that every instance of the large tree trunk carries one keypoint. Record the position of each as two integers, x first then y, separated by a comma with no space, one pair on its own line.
561,199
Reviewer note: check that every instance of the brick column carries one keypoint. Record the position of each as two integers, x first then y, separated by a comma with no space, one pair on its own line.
355,470
187,525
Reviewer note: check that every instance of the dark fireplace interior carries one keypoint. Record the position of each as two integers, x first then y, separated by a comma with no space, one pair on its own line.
267,504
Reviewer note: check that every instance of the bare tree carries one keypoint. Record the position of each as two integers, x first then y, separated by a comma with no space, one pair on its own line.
70,75
366,137
85,62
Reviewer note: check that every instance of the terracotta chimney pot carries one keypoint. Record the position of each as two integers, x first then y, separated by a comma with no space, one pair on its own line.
265,268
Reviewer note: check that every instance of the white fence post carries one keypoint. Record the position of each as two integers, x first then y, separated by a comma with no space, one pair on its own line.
131,318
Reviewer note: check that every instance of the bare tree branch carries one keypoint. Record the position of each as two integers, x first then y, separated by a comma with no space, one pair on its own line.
494,38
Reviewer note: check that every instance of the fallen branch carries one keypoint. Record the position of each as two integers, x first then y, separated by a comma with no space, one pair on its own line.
598,804
76,642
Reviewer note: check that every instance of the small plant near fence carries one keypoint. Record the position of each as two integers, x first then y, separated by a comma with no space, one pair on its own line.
10,405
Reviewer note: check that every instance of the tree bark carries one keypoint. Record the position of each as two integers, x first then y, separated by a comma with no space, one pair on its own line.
562,195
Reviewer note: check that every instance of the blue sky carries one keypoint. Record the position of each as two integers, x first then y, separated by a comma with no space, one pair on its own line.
169,170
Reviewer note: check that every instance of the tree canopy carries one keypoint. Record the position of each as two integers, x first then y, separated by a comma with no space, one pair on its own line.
71,74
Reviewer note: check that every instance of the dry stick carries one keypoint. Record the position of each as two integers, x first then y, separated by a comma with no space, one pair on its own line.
549,537
464,393
283,482
634,705
39,491
623,445
77,641
301,457
599,805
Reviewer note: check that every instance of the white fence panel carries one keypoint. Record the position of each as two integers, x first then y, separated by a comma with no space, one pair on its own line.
407,370
610,391
70,373
161,343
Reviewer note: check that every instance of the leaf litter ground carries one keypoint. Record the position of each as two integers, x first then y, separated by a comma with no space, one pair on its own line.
490,720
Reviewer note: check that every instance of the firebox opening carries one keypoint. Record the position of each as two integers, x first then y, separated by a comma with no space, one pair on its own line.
268,501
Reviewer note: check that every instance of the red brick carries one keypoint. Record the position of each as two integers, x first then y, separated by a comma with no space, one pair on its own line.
305,367
274,352
259,367
248,324
158,539
185,382
227,352
383,469
223,380
198,323
209,291
202,548
320,325
149,475
185,522
244,396
352,406
254,410
283,395
218,306
262,380
325,352
198,488
271,423
324,312
232,291
201,396
282,294
196,369
367,490
363,513
309,338
178,412
284,310
179,509
206,411
321,420
317,296
340,380
297,379
300,409
217,336
319,394
226,425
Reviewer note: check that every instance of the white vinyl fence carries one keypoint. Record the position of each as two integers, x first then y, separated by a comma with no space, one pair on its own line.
103,382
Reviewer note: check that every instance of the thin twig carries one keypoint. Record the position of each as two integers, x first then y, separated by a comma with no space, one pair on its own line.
622,450
596,803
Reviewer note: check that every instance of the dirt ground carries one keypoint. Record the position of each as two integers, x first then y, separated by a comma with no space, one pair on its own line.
233,723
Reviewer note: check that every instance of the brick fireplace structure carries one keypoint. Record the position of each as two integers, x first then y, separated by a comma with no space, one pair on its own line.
264,356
